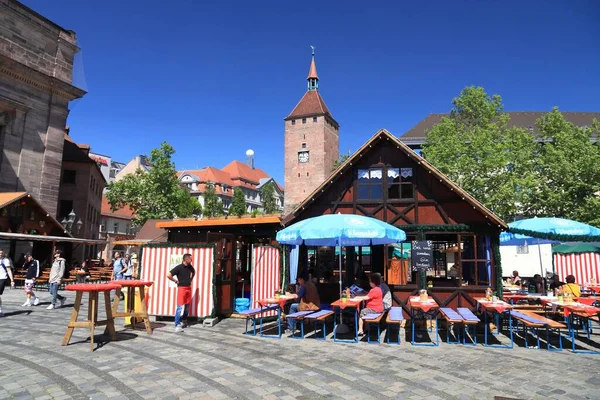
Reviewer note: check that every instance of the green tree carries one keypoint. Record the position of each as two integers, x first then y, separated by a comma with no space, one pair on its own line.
267,196
238,204
342,158
153,194
569,173
213,207
476,148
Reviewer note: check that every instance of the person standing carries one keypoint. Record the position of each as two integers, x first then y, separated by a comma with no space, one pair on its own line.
117,274
128,268
182,275
32,266
5,275
118,267
56,274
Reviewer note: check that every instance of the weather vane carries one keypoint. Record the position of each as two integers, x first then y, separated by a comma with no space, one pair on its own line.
313,49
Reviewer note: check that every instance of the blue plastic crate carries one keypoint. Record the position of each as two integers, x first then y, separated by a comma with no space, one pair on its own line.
242,304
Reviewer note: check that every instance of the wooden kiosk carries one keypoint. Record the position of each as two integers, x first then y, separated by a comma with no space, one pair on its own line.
235,239
387,180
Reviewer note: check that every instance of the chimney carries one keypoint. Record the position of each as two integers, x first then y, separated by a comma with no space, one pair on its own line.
250,158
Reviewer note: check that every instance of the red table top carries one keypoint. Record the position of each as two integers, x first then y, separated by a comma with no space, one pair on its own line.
415,302
129,282
92,287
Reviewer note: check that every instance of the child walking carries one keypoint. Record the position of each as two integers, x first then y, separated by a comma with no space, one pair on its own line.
33,272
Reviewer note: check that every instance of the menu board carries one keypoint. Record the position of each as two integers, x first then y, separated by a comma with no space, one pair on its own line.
421,255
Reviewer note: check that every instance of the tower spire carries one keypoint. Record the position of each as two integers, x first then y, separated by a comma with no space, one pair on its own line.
313,78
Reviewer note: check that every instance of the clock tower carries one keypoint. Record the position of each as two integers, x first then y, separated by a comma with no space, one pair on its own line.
311,144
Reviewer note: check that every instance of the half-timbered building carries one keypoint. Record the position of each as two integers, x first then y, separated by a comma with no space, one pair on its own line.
387,180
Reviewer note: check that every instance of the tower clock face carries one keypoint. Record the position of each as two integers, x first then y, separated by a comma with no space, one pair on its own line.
303,156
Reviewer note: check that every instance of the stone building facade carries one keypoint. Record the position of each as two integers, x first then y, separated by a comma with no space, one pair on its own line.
36,86
81,187
311,144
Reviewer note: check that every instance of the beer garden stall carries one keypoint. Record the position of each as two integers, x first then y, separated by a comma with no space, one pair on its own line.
26,227
234,258
387,180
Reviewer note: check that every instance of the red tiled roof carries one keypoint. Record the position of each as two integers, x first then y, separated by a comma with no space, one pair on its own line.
238,170
234,174
124,213
311,104
312,73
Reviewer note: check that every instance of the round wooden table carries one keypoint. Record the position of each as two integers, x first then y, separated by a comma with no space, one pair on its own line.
92,321
129,305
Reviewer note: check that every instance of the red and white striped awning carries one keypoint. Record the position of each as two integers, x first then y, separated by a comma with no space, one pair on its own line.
584,266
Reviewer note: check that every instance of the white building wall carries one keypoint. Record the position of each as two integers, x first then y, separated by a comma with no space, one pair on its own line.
527,264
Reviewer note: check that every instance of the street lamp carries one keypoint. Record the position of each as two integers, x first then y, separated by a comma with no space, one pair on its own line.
68,223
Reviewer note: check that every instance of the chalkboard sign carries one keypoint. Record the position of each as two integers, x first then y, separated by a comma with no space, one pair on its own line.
421,255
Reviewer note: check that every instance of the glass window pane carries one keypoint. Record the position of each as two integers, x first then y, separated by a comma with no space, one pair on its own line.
406,174
393,175
363,192
468,251
363,176
468,272
394,191
406,191
376,192
484,273
483,250
376,175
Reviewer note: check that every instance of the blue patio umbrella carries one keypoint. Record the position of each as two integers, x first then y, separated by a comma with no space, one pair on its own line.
543,226
340,230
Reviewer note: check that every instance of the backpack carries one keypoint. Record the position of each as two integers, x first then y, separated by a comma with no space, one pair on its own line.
66,270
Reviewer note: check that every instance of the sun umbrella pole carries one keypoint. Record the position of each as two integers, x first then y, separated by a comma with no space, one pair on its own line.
541,264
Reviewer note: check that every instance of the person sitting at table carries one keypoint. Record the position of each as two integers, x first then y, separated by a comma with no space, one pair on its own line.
374,300
386,295
556,283
536,285
515,279
309,298
82,271
571,287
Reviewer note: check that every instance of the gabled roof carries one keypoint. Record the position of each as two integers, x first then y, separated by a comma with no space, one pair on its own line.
522,119
311,104
8,198
123,213
238,170
385,135
209,174
150,233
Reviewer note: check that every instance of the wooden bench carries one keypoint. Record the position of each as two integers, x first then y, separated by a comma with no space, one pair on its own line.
299,317
534,321
320,318
395,317
372,320
253,313
469,319
463,317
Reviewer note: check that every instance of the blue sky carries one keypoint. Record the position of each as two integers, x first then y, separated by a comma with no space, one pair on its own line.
217,78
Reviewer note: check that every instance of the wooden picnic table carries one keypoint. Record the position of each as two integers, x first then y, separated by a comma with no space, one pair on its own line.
92,321
495,309
136,289
426,310
342,305
280,302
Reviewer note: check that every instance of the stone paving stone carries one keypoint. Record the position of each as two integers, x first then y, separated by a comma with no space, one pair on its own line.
220,362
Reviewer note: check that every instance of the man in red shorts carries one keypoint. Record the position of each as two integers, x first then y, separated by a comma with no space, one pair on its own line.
182,275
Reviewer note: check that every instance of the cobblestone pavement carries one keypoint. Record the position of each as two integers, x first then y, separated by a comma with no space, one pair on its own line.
221,362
